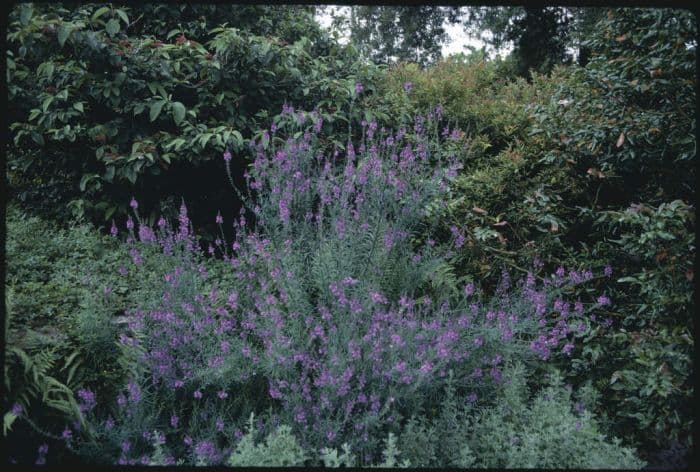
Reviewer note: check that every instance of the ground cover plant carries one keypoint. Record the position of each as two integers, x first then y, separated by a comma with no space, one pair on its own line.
404,266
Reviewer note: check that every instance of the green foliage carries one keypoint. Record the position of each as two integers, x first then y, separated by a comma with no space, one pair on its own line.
279,449
391,454
113,106
330,457
625,125
387,34
587,167
32,372
543,433
542,37
419,442
517,432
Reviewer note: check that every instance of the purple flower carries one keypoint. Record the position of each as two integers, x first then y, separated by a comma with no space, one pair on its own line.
126,445
407,86
113,230
17,409
222,395
220,424
603,300
426,368
568,347
219,218
227,156
359,88
133,203
43,449
472,398
608,271
197,394
87,399
134,392
469,289
67,434
174,420
129,223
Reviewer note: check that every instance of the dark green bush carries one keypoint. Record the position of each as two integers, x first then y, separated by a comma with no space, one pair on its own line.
105,104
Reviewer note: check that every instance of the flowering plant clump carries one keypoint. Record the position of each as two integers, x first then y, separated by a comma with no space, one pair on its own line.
329,320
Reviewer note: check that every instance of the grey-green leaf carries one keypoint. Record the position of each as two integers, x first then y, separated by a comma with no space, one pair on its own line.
63,33
25,13
112,27
123,16
156,107
99,12
178,112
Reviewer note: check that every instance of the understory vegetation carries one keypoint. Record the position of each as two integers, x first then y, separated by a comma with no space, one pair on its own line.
236,241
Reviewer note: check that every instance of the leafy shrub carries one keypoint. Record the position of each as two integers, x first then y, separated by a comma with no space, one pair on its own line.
329,322
100,107
587,167
625,122
544,433
279,449
515,431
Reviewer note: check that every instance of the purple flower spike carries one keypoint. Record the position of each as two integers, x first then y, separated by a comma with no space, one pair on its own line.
133,203
227,156
407,86
219,218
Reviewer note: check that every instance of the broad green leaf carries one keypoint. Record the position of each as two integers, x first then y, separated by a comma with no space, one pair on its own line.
48,69
25,13
8,419
178,112
78,106
99,12
112,27
156,107
38,138
123,16
63,33
45,104
109,174
85,179
239,138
